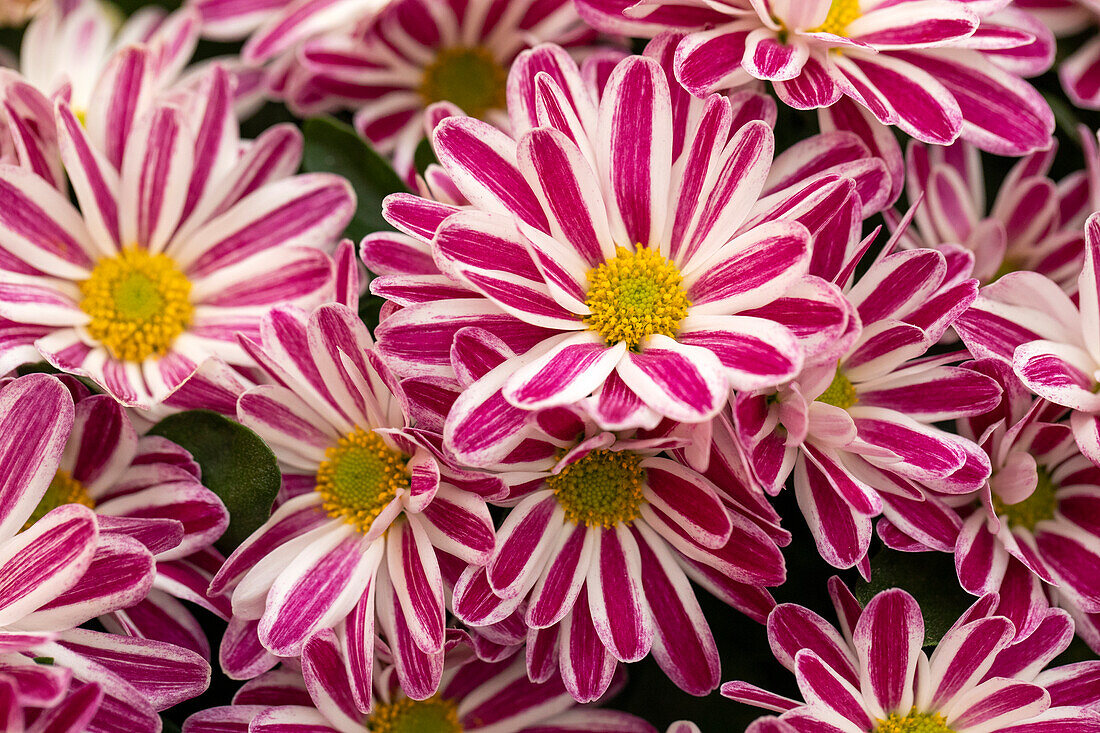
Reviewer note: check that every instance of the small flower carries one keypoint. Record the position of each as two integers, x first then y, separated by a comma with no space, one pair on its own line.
871,675
366,508
145,281
1080,71
474,697
937,70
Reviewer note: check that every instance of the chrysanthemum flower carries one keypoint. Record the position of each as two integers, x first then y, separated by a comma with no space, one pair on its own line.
180,241
857,429
1080,72
1052,344
474,697
418,52
935,69
1033,224
60,569
597,262
871,675
604,534
367,505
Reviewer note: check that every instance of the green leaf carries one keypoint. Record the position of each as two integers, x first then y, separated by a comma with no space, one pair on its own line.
424,156
927,576
334,147
236,465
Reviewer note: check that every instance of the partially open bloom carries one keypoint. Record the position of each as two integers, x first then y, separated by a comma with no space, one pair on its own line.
1052,343
871,674
605,531
1033,224
180,240
415,53
937,70
626,253
367,504
474,697
1080,71
61,569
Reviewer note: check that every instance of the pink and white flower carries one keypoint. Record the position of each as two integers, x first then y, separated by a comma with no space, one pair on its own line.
60,570
179,240
1034,223
604,199
395,65
871,674
1052,343
937,70
367,507
856,426
606,530
474,697
1080,72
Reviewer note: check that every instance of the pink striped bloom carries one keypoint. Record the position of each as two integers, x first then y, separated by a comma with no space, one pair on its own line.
605,532
181,238
416,53
62,569
937,69
856,428
1080,72
1052,343
871,676
368,507
474,697
1033,224
604,199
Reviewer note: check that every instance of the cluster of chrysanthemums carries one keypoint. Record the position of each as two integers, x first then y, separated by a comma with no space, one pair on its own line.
617,322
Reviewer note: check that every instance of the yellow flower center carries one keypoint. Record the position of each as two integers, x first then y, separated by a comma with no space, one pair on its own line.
359,477
840,393
1032,510
635,295
841,13
602,489
139,303
434,715
914,722
64,489
468,77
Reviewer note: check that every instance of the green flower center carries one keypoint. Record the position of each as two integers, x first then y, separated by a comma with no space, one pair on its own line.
602,489
434,715
138,303
635,295
64,489
359,477
1035,508
468,77
840,392
841,13
914,722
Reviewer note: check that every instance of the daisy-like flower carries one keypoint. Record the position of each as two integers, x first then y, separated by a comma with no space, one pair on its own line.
1052,343
1080,72
61,569
605,532
857,428
180,240
1033,224
871,675
474,697
935,69
367,504
625,253
418,52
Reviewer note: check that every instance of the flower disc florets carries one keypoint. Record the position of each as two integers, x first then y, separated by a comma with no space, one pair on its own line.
434,715
139,304
602,489
914,722
841,13
634,295
359,477
840,392
1038,507
64,489
468,77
